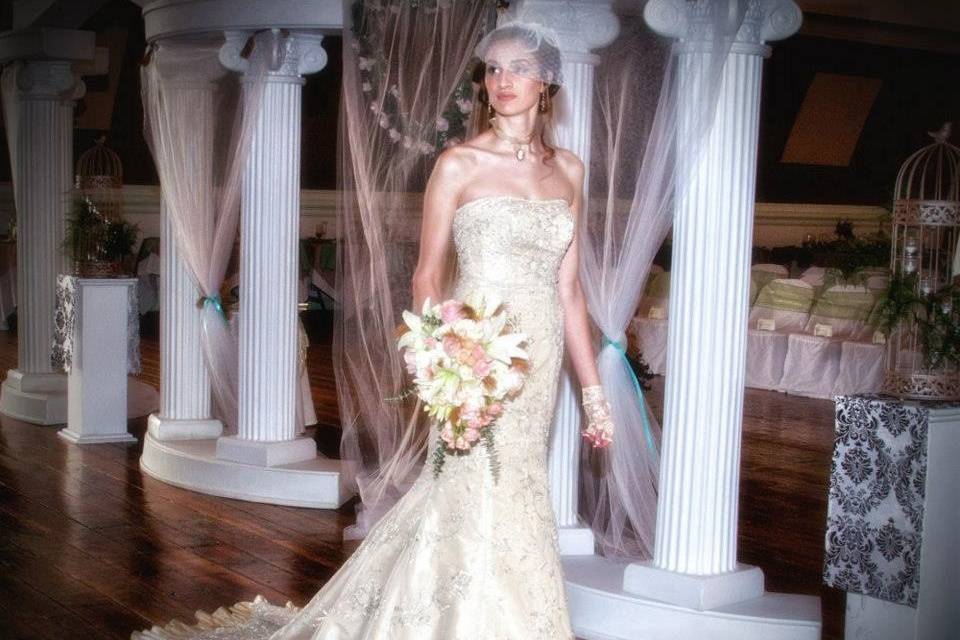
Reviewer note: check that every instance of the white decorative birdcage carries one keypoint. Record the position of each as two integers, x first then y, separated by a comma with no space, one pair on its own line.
99,177
922,347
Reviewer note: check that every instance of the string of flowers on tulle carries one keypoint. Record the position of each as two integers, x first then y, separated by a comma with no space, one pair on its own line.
466,361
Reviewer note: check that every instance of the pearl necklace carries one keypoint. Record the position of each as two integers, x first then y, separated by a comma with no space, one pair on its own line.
521,147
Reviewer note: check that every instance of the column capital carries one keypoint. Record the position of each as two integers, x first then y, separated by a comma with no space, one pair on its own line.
581,25
692,22
287,54
49,80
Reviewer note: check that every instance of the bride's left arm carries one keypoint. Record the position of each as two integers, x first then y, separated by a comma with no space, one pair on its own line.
578,337
577,334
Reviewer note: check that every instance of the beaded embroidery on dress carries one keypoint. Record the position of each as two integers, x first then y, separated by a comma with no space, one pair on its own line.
444,563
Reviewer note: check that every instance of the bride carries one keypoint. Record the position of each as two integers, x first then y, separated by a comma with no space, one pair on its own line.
459,556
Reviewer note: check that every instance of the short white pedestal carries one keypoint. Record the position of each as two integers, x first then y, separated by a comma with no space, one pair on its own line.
38,398
937,616
97,387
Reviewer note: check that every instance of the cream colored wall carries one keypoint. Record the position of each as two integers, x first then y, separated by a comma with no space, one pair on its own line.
775,224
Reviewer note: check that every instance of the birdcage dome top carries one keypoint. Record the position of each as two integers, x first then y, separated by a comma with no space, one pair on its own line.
928,184
99,166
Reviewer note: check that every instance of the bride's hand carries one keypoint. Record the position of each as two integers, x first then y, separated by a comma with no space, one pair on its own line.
599,429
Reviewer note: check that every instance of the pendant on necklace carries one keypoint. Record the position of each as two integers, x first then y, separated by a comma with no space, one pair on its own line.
521,153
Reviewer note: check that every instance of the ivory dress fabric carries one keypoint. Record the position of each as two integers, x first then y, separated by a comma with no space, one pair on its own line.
460,556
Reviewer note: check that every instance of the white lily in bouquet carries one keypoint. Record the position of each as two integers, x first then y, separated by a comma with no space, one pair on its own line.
466,361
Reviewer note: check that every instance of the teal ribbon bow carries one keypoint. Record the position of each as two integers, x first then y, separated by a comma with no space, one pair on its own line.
647,432
216,302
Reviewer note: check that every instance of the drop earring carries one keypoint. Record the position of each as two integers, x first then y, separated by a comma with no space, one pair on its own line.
490,112
543,102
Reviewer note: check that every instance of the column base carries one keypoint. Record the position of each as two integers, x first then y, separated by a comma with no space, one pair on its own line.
694,591
192,464
600,609
38,398
576,541
99,438
167,429
265,454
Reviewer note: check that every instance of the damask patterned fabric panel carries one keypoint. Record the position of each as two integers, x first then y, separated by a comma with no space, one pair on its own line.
65,326
877,493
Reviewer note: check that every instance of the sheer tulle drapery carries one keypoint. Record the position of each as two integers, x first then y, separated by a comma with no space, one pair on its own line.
646,134
198,123
406,95
11,116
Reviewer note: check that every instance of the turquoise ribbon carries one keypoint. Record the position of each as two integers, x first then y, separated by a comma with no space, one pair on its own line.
216,302
647,432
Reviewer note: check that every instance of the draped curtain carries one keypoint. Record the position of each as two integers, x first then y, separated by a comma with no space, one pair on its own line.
198,123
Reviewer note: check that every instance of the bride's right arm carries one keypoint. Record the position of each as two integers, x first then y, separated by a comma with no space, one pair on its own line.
439,205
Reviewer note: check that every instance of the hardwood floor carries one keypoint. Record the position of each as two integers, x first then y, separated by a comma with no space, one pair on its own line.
92,548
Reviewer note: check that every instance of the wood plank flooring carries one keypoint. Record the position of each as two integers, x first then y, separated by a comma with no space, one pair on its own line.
92,548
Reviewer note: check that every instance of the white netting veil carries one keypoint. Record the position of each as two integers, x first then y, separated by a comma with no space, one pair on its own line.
526,49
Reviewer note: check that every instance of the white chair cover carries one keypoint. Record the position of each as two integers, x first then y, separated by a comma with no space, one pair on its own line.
811,366
766,352
814,275
878,282
777,269
656,294
861,368
786,301
761,275
651,337
845,308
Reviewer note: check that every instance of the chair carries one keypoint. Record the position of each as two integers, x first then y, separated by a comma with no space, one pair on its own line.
766,352
860,369
845,308
656,294
651,337
814,275
761,275
811,365
785,301
147,269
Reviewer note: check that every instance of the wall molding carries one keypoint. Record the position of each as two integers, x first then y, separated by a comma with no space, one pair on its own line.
775,223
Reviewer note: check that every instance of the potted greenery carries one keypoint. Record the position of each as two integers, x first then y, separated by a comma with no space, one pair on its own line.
97,245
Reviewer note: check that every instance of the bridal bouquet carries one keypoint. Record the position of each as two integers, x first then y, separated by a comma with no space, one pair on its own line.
465,361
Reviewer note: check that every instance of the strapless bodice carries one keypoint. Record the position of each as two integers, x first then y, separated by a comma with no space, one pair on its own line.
511,243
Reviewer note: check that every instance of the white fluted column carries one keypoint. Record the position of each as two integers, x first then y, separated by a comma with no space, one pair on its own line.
695,559
185,401
185,394
46,91
581,26
267,431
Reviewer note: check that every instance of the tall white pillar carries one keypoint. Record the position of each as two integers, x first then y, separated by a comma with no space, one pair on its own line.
581,27
695,559
267,430
185,402
46,91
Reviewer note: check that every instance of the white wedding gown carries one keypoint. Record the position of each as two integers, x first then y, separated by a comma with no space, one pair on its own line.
459,557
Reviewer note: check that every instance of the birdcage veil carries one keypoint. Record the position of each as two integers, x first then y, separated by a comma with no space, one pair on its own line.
526,49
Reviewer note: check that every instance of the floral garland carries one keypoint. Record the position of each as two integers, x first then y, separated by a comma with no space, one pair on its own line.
370,19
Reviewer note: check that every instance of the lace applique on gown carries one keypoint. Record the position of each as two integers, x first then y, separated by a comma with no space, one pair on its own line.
444,564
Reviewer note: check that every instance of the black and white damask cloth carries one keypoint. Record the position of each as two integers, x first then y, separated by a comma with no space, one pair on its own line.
877,493
65,326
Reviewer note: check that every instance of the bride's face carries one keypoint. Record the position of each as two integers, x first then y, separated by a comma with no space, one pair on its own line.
510,78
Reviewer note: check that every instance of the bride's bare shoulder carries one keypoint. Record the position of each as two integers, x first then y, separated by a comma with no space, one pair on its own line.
569,162
461,161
